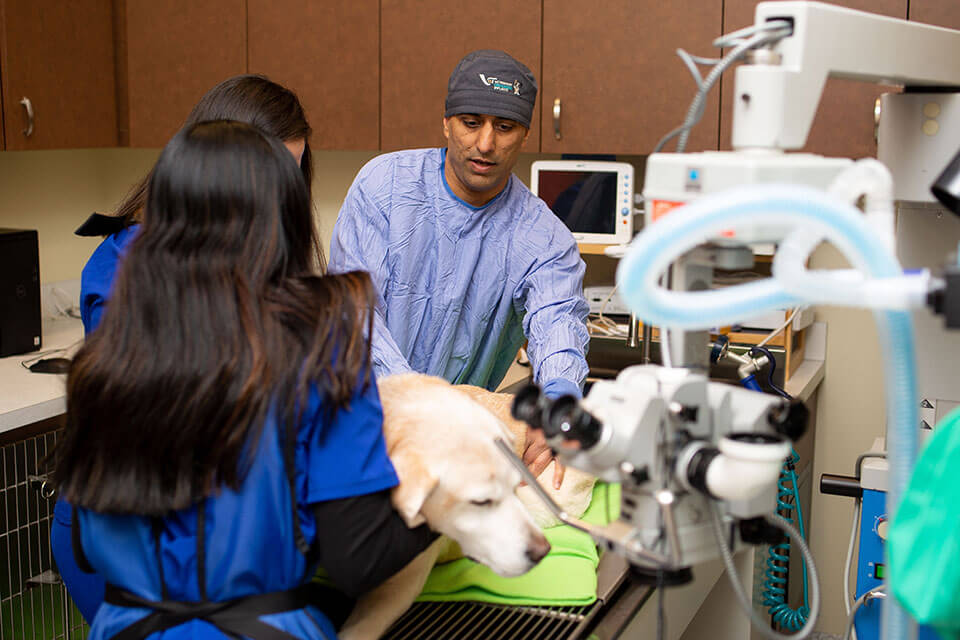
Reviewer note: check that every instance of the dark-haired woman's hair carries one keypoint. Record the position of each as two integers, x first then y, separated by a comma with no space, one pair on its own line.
219,320
253,99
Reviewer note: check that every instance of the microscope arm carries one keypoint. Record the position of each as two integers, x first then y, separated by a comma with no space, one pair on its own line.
776,97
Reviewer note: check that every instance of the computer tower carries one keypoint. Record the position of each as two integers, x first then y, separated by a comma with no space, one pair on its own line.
19,291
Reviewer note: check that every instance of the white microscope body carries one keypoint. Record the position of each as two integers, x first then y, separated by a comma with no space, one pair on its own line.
680,444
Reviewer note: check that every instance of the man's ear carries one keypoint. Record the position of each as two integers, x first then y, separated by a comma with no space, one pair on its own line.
446,128
416,485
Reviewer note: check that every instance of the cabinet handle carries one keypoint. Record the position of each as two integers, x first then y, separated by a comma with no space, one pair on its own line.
28,107
556,119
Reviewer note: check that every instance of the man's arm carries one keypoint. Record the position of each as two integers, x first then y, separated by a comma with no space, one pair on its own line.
359,243
555,320
555,325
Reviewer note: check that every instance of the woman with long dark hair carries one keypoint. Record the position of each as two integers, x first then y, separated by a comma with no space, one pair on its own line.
253,99
223,429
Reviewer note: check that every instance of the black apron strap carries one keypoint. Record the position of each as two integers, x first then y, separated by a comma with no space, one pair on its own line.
239,616
202,548
76,542
156,528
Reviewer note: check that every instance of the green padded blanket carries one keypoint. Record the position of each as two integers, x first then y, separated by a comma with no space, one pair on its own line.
566,577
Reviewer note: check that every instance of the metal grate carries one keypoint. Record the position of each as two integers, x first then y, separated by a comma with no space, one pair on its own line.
478,621
34,604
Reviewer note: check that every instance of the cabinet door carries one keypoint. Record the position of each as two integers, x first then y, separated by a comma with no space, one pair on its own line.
59,56
844,124
172,52
614,67
422,41
328,53
943,13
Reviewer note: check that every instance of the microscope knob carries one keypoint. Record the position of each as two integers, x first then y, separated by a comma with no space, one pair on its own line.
792,421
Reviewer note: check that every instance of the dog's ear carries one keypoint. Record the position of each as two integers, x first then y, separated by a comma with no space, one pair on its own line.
416,485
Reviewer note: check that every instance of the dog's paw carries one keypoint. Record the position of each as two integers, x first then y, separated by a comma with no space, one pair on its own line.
573,496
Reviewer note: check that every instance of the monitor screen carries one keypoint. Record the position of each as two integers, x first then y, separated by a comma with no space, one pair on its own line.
585,200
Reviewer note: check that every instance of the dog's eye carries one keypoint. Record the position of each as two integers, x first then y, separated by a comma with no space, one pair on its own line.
482,503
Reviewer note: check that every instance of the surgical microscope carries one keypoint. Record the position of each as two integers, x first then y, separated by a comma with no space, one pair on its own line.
698,460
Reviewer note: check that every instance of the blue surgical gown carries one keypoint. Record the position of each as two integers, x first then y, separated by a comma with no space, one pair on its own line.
460,286
250,546
96,282
342,458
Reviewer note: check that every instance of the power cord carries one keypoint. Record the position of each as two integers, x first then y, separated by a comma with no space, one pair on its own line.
857,510
742,41
62,302
602,325
877,593
786,323
759,623
40,355
778,556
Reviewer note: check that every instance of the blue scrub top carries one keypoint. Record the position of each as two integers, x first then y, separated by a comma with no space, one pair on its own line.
250,545
96,279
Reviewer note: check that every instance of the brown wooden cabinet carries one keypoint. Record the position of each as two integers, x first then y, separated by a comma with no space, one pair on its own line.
844,124
943,13
328,53
59,56
169,54
420,43
615,70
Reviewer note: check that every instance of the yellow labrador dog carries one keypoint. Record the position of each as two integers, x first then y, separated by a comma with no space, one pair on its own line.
441,441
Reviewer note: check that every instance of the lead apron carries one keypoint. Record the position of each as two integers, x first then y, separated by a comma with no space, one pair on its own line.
236,617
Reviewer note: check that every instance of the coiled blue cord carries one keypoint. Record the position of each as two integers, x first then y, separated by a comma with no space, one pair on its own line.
775,585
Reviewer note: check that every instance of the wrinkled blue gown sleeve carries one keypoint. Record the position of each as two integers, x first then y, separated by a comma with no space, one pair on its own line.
359,243
96,279
551,295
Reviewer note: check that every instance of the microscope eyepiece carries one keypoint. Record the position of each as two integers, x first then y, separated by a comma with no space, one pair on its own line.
561,417
567,418
529,405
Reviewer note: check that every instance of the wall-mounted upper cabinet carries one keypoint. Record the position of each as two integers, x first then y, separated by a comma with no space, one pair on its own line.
845,122
328,53
421,42
613,66
56,68
169,54
943,13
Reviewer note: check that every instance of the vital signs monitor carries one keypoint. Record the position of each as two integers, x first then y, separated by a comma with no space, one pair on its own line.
594,199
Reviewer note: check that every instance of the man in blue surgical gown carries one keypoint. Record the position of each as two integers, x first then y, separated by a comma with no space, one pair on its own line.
466,260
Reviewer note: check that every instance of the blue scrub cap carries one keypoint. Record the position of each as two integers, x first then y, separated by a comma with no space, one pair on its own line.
490,82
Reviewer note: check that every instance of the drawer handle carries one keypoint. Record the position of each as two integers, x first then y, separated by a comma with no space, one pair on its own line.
556,118
28,107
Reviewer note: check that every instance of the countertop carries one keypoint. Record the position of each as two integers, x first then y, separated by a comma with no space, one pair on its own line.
27,397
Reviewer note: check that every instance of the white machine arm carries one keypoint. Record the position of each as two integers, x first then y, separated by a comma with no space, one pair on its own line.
776,96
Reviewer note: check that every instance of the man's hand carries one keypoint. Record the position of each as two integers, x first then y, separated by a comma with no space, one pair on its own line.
537,456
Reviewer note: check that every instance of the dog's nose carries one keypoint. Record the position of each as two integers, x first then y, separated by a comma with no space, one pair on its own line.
538,548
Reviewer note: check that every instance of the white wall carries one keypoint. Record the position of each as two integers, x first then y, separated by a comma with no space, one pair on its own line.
54,191
850,414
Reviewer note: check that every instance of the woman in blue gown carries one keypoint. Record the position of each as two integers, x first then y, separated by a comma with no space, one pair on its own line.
247,98
223,428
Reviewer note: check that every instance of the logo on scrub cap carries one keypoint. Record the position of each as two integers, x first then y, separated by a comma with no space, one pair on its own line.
500,85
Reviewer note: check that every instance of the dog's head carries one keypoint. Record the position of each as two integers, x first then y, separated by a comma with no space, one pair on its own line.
454,478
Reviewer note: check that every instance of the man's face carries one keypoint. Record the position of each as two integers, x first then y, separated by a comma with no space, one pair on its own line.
481,153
